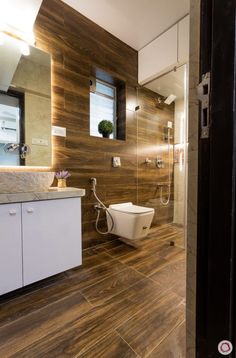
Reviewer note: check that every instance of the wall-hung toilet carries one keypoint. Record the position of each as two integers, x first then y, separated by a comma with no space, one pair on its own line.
130,221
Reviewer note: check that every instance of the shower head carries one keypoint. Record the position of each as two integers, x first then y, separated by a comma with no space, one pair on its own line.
170,99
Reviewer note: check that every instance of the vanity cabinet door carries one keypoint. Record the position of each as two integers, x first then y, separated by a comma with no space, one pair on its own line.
51,237
10,248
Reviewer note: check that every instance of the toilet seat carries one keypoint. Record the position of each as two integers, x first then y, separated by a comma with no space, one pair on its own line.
129,208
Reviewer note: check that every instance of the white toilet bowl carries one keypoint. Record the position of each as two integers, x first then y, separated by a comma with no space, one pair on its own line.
130,221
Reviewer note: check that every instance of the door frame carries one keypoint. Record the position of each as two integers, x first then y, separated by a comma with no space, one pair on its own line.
215,292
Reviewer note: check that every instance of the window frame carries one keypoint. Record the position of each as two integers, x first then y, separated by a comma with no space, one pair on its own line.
21,97
114,98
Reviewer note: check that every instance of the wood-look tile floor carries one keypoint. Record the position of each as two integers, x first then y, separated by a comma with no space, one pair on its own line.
122,303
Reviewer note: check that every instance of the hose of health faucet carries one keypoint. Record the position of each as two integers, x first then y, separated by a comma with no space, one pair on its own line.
104,208
163,201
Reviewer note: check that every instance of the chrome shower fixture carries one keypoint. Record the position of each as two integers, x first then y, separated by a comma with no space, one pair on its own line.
169,124
21,149
167,131
147,161
160,101
160,163
171,98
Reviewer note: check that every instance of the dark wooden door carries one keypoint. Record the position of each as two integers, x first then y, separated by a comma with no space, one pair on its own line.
216,190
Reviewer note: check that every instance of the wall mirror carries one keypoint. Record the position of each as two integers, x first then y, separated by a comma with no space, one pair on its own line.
25,105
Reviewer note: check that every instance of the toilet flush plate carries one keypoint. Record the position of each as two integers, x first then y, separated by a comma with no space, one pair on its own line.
116,162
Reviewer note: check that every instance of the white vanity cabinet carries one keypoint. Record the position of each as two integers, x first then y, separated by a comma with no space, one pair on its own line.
10,248
38,239
51,232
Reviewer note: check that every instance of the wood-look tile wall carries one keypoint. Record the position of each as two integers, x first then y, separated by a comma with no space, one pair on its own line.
78,46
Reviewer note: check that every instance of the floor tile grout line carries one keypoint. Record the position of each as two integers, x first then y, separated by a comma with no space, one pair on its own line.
67,329
80,291
127,343
115,273
160,284
26,294
131,268
157,270
161,268
119,258
54,283
87,300
50,336
160,341
124,322
90,304
127,288
91,307
84,350
98,246
141,309
115,329
150,255
102,264
102,279
165,338
147,276
126,254
116,293
64,298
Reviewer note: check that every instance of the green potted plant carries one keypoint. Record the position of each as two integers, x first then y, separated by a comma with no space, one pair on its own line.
105,128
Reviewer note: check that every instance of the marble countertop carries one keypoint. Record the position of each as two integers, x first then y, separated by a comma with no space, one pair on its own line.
52,193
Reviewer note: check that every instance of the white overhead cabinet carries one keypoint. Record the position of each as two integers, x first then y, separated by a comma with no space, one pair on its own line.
10,248
37,240
183,40
160,54
165,52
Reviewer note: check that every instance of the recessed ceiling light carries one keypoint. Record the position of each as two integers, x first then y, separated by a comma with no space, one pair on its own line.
1,40
25,50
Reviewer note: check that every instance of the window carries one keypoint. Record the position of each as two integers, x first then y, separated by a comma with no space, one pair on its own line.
102,106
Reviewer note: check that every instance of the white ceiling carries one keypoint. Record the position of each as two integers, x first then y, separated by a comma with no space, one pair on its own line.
135,22
20,14
170,83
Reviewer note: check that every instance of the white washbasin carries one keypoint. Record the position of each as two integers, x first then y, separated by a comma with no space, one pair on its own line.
25,182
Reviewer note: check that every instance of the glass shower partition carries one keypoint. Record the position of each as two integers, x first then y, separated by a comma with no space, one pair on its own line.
163,112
